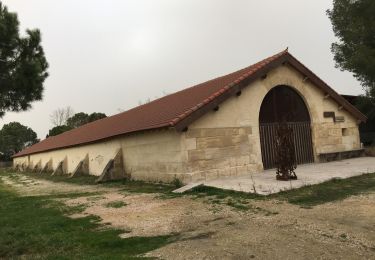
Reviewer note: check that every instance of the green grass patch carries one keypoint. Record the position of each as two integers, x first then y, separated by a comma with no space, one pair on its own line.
333,190
143,187
82,180
71,195
177,183
37,227
306,197
116,204
123,185
202,191
79,208
95,198
237,205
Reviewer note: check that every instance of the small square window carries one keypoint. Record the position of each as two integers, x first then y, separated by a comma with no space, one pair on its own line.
345,131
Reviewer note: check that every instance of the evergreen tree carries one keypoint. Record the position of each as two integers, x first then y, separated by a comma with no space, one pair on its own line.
23,66
96,116
82,118
14,137
353,23
77,120
58,130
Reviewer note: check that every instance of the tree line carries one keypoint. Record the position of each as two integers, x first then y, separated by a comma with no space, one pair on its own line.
15,137
64,119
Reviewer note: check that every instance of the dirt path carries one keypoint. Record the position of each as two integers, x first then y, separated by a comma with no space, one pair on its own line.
332,231
28,186
269,230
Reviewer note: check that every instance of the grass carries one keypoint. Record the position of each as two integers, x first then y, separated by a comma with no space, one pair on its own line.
202,191
123,185
37,227
82,180
95,198
79,208
235,199
308,196
144,187
177,183
237,205
115,204
330,191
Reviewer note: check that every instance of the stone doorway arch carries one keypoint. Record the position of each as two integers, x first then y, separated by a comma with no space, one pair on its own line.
283,104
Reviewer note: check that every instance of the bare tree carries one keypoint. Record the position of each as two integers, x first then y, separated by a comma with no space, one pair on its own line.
61,115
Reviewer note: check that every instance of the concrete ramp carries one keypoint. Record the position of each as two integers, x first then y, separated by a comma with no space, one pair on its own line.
187,187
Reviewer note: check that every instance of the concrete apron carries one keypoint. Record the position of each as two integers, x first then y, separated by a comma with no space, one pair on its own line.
265,182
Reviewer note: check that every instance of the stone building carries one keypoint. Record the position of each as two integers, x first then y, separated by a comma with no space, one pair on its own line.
223,127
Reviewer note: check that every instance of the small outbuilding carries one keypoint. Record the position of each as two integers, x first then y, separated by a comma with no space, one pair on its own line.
223,127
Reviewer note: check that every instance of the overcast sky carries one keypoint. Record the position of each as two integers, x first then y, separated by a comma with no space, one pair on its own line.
106,56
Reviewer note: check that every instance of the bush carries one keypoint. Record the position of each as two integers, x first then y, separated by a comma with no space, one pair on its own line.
177,182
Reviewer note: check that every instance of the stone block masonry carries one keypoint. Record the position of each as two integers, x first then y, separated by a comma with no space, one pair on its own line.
215,152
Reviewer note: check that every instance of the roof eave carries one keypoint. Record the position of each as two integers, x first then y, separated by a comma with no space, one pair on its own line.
160,127
325,87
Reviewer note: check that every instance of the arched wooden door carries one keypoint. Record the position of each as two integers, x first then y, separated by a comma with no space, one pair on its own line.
281,104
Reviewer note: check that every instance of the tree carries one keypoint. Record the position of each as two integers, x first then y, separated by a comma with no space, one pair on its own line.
58,130
60,116
353,23
82,118
96,116
14,137
366,105
71,122
77,120
23,66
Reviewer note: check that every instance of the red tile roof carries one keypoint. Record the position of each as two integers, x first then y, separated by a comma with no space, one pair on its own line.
171,110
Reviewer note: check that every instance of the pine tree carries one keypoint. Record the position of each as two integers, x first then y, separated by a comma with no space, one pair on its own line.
353,23
23,66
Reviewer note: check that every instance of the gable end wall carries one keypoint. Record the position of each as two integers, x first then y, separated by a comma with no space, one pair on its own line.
227,143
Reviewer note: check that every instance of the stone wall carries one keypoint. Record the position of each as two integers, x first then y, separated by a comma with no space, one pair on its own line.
150,156
215,152
154,155
331,136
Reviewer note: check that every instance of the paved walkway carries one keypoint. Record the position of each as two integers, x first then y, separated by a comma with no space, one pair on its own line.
265,182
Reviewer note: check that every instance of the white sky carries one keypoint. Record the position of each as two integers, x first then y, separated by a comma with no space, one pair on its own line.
106,56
